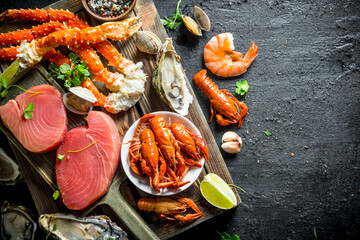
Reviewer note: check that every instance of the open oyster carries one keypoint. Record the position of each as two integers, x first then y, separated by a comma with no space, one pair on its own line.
9,170
68,226
169,79
16,222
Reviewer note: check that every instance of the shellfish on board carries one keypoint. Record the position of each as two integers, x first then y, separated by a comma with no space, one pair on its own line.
79,100
9,170
68,227
17,222
147,42
170,81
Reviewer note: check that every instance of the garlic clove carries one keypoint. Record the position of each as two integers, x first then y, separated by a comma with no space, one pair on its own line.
231,136
231,147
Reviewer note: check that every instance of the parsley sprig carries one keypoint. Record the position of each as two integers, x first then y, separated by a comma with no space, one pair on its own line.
56,194
242,87
226,236
30,108
174,21
267,132
73,74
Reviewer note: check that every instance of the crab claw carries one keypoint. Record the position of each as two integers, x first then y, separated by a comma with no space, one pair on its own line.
121,30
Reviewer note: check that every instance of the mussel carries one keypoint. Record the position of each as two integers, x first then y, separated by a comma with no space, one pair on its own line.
79,100
147,42
68,227
9,170
170,81
17,222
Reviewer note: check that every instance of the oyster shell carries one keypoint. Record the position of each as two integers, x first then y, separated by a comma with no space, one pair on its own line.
79,100
147,42
17,222
170,81
202,19
192,25
9,170
70,227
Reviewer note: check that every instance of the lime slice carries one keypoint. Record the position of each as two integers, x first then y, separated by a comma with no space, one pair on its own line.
10,72
217,192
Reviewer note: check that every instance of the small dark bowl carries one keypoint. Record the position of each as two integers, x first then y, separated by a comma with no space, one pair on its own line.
107,19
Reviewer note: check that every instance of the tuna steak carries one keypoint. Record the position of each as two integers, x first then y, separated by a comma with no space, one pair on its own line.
46,130
84,176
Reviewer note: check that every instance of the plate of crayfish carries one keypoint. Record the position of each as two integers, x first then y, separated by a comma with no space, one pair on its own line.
163,153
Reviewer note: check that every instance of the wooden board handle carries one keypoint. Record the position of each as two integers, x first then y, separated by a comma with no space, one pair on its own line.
134,223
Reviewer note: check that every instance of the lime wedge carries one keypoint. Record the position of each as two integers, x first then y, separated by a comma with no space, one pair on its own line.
10,72
217,192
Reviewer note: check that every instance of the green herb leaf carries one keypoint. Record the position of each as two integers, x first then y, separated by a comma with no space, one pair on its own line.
53,229
60,157
110,239
72,75
64,68
242,88
56,194
28,110
175,20
4,87
267,132
226,236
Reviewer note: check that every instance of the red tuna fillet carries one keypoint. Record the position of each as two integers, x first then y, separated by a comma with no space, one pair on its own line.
46,130
86,175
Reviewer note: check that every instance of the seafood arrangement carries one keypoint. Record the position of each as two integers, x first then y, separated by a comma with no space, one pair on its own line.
87,157
164,153
126,85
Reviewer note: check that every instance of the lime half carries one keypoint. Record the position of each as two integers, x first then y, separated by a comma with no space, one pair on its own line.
10,72
217,192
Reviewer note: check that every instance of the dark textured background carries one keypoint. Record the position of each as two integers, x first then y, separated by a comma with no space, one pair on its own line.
304,87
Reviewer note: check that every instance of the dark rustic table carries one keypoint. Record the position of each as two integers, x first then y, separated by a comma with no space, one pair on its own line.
304,87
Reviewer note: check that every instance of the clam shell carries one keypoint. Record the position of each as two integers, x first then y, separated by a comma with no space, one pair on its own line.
192,25
147,42
83,93
202,19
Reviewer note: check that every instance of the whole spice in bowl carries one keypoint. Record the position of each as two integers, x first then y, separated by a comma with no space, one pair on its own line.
109,10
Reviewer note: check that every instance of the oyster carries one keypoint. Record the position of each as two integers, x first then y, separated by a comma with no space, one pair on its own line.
17,222
68,226
192,25
9,170
79,100
202,19
170,81
147,42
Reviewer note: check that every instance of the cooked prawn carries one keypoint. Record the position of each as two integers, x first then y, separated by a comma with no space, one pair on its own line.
221,59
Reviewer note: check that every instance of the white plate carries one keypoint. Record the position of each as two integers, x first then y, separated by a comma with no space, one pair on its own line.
143,182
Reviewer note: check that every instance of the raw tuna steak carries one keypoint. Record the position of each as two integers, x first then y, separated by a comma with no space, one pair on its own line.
84,176
46,130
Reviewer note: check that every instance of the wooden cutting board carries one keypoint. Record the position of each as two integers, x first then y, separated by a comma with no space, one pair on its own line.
38,169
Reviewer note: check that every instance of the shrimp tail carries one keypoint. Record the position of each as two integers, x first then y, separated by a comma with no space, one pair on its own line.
251,54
